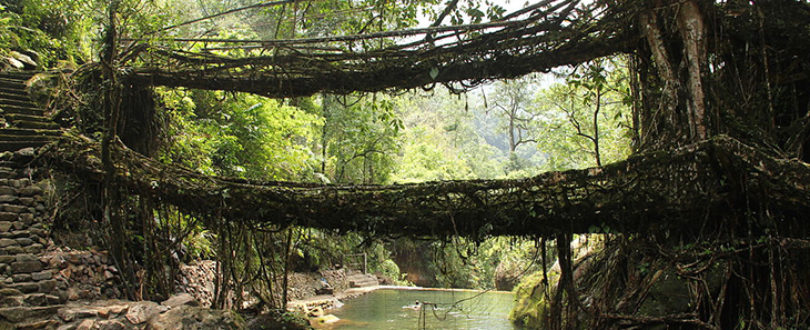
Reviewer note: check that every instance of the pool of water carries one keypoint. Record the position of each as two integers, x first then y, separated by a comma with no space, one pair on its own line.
383,309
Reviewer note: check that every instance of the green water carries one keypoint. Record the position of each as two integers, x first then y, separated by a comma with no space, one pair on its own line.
383,309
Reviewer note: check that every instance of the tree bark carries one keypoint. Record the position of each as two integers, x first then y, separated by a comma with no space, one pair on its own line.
692,30
668,103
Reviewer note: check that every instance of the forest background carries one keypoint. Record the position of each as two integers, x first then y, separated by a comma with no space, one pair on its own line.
570,118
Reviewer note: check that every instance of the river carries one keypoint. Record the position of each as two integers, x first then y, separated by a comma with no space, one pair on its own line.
383,309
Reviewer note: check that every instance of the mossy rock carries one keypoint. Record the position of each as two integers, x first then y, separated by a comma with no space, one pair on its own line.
532,308
668,295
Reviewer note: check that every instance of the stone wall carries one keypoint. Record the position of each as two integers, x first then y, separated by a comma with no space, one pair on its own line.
85,275
43,286
28,286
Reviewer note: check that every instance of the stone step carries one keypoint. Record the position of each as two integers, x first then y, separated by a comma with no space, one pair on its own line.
9,292
21,75
28,314
4,102
21,117
360,276
16,96
10,83
6,110
362,284
35,124
45,286
29,300
11,137
20,144
38,325
30,132
362,280
359,281
14,92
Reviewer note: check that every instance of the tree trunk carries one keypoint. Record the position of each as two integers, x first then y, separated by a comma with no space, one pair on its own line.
692,30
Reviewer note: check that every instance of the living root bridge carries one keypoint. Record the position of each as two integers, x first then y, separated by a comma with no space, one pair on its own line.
548,34
678,191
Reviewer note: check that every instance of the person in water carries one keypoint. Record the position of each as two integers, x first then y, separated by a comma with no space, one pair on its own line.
416,306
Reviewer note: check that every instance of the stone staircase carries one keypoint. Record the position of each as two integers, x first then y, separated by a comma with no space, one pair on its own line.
361,280
29,296
29,293
25,123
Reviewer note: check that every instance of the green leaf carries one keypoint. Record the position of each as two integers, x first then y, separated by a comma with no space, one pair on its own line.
434,72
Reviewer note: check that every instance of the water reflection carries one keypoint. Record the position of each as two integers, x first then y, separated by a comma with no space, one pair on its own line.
398,309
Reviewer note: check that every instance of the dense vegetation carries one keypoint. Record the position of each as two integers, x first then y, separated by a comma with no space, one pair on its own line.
508,129
692,70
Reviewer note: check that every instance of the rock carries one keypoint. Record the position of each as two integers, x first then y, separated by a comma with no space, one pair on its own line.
118,309
86,325
196,318
25,153
47,285
7,198
41,299
110,325
6,242
29,191
508,274
11,301
19,314
103,312
6,292
73,294
26,257
181,299
19,234
26,266
6,259
27,217
33,248
142,311
14,208
26,287
24,241
21,277
43,324
5,226
70,314
43,275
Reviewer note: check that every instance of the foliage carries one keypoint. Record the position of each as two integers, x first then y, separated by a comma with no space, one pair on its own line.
440,141
471,265
586,118
51,30
359,138
240,135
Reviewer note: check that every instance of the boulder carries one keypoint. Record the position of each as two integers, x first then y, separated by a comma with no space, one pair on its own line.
86,325
142,311
181,299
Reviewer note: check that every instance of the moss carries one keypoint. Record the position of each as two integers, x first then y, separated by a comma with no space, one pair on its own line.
532,307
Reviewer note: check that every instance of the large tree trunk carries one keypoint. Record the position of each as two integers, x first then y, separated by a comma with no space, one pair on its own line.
679,117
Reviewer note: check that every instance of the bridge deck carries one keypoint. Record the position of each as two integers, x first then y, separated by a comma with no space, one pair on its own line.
651,191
